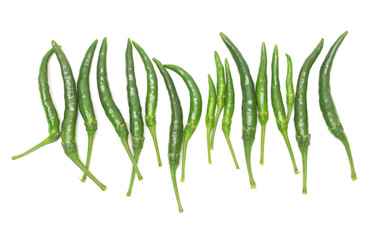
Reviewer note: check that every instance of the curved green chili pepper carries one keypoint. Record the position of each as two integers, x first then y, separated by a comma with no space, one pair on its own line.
49,108
301,110
249,108
195,110
70,114
290,96
278,107
210,112
110,108
85,103
151,99
220,94
135,111
229,110
176,128
262,98
327,105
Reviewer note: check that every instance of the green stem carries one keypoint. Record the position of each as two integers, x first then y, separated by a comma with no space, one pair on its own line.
75,158
184,153
228,140
132,159
136,156
287,140
247,151
173,171
91,136
289,111
208,131
215,127
153,134
304,156
48,140
263,129
344,140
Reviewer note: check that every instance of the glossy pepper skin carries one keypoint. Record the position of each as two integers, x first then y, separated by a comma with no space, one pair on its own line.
249,106
70,114
49,108
176,128
278,107
151,99
109,106
135,111
195,110
221,85
85,102
262,98
290,96
210,112
229,110
301,110
327,104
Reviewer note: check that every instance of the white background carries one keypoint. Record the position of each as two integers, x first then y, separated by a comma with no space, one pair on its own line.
41,195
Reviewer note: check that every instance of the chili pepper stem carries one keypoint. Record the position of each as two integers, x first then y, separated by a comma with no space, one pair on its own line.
173,171
289,111
50,139
184,153
287,140
227,136
247,151
263,130
304,156
215,128
129,153
154,137
91,136
208,131
136,156
344,140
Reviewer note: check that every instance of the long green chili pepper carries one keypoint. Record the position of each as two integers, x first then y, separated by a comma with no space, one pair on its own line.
195,110
278,107
176,128
249,108
229,110
110,108
301,110
70,114
85,103
262,98
327,105
220,94
210,112
151,99
49,108
290,96
135,111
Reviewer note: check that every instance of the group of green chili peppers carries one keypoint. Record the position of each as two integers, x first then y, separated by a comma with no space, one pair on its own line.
254,101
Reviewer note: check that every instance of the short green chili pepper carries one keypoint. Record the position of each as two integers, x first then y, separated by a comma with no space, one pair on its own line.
301,110
327,105
210,112
290,96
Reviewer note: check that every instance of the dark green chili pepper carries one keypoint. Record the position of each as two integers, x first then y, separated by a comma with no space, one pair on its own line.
249,108
70,114
262,98
195,110
290,96
135,111
49,108
151,99
210,112
327,105
301,110
229,110
110,108
176,128
278,107
220,94
85,103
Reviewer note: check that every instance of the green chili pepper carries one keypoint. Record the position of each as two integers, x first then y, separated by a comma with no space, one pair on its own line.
327,105
135,111
85,103
70,114
110,108
278,107
220,94
301,110
262,98
49,108
195,110
229,110
249,108
176,128
151,99
290,96
210,112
